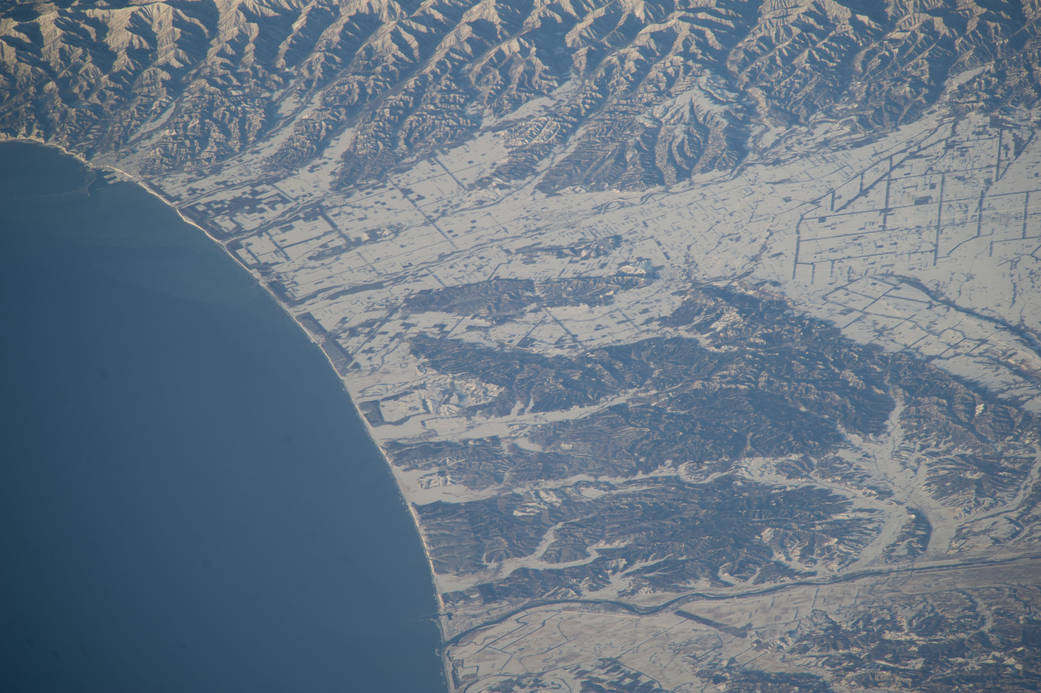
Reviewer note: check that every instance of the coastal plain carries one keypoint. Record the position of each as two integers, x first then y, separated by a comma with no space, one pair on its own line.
703,342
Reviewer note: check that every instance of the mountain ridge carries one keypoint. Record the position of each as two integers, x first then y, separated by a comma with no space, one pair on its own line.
661,90
642,301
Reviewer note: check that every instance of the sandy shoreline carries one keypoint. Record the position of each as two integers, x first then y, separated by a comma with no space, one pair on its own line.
144,185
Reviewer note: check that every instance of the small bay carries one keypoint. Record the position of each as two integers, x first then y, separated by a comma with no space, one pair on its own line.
188,499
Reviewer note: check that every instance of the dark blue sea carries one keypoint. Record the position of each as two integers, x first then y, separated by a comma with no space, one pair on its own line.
188,501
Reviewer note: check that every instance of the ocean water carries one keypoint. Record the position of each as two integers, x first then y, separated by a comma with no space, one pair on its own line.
188,501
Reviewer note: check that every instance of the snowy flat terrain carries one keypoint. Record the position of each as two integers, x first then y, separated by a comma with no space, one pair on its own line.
711,360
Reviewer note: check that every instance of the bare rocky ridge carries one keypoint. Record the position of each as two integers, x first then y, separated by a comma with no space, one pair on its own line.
702,338
656,90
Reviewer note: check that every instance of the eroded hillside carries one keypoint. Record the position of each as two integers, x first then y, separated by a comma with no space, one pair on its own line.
703,338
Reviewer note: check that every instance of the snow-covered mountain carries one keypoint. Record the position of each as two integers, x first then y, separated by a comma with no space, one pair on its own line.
703,338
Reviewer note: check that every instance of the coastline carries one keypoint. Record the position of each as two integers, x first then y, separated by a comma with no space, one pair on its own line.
144,185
